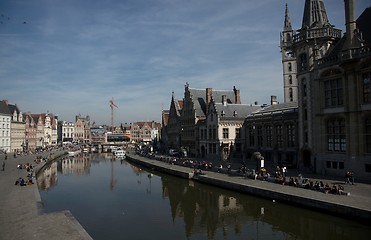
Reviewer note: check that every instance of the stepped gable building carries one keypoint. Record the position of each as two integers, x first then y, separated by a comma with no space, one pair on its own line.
30,131
174,123
145,131
333,74
82,129
5,124
164,133
195,104
220,134
46,129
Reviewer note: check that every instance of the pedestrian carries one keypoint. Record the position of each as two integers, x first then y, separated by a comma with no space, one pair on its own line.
351,177
3,165
284,171
6,156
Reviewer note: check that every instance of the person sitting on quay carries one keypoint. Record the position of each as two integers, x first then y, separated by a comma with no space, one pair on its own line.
20,181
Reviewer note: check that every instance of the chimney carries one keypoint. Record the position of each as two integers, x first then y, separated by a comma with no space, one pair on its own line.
350,24
273,100
5,101
237,96
224,100
209,96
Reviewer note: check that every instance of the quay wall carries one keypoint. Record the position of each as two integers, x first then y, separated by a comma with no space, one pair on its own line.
326,203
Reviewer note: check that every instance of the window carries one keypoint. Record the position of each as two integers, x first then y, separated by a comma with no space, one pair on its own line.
303,63
291,95
336,140
225,133
288,37
290,135
368,134
268,133
238,134
259,135
290,79
333,93
279,137
366,77
251,136
289,67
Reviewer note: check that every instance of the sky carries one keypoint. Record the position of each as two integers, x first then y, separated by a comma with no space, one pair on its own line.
71,57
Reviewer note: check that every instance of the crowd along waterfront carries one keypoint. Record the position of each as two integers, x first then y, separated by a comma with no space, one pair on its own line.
113,199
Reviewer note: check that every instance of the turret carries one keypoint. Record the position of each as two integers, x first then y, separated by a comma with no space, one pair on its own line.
288,60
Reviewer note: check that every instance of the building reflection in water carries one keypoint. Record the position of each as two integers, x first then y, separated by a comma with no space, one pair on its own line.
78,165
208,209
48,177
190,208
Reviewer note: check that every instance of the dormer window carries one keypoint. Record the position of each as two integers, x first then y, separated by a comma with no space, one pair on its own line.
234,113
222,113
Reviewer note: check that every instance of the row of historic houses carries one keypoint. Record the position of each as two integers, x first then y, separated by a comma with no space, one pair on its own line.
25,131
324,123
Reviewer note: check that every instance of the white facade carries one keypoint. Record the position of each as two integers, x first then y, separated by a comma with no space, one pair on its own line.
5,123
68,131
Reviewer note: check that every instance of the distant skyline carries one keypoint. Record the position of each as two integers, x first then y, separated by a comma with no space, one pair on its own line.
71,57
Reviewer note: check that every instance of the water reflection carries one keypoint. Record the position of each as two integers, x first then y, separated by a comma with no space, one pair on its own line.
143,203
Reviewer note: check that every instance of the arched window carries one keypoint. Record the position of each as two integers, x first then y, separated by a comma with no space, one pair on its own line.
290,79
288,37
289,67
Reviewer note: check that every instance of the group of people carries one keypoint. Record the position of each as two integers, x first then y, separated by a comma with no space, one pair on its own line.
280,176
30,173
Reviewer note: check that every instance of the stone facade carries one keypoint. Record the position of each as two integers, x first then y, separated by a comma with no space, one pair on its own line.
174,124
333,73
30,129
195,104
220,134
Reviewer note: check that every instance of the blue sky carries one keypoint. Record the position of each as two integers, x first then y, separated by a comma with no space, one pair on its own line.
71,57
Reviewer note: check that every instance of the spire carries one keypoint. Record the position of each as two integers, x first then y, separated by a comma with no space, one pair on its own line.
314,14
287,23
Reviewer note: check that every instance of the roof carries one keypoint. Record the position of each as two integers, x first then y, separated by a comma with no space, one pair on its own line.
4,108
198,96
13,108
277,108
363,23
235,110
165,117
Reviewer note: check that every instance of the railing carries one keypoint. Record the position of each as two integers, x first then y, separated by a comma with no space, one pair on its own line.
345,55
316,33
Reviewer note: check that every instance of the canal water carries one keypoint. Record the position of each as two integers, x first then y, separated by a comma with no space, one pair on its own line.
117,200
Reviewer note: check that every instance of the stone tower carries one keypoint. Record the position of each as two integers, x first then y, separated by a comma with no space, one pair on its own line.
290,83
310,43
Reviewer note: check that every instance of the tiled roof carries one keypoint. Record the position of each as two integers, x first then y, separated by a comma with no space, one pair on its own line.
235,110
199,95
